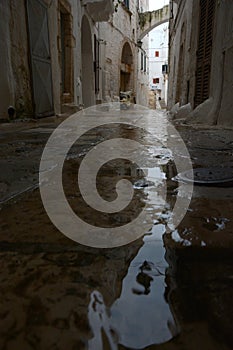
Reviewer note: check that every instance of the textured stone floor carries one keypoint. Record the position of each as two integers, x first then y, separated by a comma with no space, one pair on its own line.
58,294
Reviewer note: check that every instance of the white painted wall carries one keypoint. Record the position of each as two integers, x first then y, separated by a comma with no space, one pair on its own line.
157,4
158,41
7,79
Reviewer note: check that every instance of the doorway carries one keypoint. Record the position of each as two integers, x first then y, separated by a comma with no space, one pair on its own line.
40,57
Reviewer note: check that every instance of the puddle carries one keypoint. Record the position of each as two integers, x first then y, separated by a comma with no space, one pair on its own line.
215,176
144,295
215,224
141,316
41,130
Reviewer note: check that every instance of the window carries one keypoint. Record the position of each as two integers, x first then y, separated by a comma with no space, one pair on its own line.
156,53
142,62
155,80
96,63
204,52
164,69
126,3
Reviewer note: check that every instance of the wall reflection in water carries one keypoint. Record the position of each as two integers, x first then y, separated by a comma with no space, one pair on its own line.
141,316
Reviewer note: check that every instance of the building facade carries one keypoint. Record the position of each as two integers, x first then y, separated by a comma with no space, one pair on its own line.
201,49
158,60
121,54
62,55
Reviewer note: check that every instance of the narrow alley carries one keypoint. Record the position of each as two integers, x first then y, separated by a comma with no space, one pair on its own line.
116,205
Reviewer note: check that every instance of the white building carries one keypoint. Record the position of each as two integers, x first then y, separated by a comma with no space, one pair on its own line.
158,60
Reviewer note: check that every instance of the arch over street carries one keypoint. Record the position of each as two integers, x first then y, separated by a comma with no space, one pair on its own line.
151,19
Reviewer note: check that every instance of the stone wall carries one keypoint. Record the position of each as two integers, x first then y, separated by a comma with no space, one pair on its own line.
15,82
222,78
115,33
184,31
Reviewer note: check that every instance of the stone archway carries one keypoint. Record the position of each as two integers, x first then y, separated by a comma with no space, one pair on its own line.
126,76
152,19
87,64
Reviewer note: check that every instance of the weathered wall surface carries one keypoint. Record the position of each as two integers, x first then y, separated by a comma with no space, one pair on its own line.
19,59
6,81
142,96
16,86
15,81
184,31
121,29
78,74
151,19
222,79
182,60
115,33
56,72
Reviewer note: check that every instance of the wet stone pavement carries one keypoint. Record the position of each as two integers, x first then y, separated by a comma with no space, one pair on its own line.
168,290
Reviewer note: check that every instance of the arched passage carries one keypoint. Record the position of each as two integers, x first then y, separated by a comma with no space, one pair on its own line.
87,64
126,76
152,19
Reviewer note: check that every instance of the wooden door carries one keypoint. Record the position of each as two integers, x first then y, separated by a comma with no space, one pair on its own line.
204,53
40,57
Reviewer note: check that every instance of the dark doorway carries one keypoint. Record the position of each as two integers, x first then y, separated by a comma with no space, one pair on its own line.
126,82
40,57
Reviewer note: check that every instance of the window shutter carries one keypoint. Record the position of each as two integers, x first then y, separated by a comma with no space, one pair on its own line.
204,53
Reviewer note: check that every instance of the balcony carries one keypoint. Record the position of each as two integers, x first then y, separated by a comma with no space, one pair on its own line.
99,10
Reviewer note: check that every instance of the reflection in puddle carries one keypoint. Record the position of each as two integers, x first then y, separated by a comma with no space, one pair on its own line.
215,224
99,322
141,316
